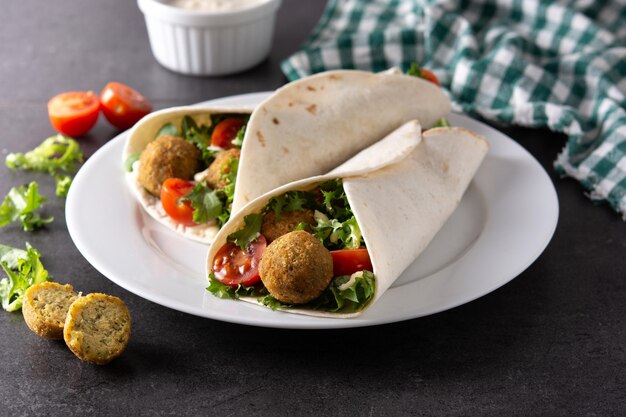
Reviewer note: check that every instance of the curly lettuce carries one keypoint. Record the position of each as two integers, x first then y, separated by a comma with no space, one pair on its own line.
21,204
23,269
56,153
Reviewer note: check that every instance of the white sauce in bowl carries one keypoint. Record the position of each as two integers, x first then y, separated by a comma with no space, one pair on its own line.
213,5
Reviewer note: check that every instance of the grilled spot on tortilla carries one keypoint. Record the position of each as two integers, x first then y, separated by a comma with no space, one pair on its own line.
260,137
312,109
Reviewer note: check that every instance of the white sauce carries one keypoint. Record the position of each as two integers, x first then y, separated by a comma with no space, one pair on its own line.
213,5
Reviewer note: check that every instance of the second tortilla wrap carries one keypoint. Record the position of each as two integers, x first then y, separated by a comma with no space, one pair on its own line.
400,204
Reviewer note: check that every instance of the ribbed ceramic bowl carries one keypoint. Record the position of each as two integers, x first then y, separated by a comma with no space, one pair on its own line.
200,42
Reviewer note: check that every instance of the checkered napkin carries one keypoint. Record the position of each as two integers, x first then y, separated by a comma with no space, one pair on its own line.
538,63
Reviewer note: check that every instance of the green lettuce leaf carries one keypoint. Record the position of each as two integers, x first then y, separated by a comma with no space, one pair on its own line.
206,202
249,232
238,141
57,153
21,204
348,299
209,204
443,122
221,290
168,129
291,200
63,183
130,160
23,269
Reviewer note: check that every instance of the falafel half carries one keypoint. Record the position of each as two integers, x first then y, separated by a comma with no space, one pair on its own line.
215,175
274,228
296,268
167,157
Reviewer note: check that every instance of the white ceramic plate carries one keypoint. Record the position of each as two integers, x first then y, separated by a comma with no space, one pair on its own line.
503,223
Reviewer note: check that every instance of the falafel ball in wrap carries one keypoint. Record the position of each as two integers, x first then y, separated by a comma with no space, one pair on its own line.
331,245
181,165
305,128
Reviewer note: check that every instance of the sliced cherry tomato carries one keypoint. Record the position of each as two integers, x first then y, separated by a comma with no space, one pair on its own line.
122,105
225,132
74,113
428,75
349,261
233,266
171,190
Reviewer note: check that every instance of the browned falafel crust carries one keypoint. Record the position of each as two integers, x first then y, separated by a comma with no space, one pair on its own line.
296,268
274,228
167,157
220,167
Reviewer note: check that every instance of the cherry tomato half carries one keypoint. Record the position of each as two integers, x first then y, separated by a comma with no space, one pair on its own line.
233,266
171,190
428,75
122,105
225,132
349,261
74,113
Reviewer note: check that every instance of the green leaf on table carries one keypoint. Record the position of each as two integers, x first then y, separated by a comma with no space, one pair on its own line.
56,153
23,269
63,183
21,204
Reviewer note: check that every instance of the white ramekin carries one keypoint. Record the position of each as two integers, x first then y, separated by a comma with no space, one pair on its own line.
209,43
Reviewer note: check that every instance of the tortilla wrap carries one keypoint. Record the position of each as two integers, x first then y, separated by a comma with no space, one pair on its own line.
323,120
305,128
400,203
142,134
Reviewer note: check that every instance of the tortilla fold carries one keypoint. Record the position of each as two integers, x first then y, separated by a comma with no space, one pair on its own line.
310,126
400,200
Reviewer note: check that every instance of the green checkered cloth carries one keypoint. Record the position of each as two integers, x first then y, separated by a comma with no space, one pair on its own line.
537,63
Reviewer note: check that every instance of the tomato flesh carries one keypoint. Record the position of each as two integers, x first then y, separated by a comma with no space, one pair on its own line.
74,113
233,266
122,105
171,191
349,261
225,132
428,75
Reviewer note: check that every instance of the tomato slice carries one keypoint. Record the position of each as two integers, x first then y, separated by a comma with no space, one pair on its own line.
74,113
428,75
171,190
122,105
233,266
225,132
349,261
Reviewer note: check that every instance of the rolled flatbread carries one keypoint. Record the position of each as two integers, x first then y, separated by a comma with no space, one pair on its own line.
400,202
305,128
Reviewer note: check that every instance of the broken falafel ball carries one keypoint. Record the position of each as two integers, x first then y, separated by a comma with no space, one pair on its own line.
296,268
167,157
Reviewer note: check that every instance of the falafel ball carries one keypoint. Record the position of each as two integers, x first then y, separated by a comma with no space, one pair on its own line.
167,157
296,268
221,166
273,228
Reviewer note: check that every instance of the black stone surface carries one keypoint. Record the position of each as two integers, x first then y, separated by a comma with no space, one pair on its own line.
550,343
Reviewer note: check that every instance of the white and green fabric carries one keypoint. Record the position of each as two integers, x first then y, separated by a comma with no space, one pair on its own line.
537,63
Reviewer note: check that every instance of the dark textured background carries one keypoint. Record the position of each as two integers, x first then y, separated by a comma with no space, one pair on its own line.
551,342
